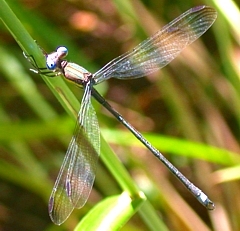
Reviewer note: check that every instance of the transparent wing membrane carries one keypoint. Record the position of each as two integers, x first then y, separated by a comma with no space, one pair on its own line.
76,177
160,49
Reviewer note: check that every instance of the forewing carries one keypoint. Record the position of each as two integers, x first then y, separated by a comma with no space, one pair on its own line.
77,173
160,49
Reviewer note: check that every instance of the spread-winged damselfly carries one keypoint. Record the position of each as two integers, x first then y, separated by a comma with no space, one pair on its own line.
77,173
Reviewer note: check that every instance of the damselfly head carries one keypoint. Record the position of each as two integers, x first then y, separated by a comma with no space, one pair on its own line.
53,59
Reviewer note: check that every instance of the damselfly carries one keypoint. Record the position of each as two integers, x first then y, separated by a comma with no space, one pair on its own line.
77,173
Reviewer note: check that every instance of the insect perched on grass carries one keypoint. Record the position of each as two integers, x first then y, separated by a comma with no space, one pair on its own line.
77,173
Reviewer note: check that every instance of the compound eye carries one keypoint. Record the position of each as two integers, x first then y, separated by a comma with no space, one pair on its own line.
62,52
50,64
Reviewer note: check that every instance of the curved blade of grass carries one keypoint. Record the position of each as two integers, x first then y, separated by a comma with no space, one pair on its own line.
111,213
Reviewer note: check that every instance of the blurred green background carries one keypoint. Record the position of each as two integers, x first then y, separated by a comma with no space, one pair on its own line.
190,111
